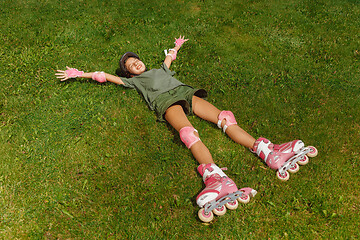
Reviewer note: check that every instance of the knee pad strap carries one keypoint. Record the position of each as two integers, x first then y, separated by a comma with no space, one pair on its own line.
229,119
188,137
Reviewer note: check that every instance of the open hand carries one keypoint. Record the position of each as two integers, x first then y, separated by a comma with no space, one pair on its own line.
180,41
68,73
62,75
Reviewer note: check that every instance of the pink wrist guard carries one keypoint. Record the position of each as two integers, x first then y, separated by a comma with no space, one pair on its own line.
173,56
99,76
74,73
179,42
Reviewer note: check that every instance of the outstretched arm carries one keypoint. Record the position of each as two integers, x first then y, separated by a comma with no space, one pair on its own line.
101,77
171,55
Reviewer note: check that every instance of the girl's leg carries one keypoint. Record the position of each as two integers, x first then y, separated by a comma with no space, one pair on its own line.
177,118
217,184
209,112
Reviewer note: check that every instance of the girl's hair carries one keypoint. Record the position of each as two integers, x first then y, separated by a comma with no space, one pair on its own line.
122,71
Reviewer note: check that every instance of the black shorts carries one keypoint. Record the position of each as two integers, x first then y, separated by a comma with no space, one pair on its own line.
181,95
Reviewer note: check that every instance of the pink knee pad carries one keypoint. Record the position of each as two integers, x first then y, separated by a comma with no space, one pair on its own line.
229,119
188,137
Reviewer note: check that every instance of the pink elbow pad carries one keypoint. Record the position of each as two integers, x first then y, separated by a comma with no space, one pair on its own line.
99,76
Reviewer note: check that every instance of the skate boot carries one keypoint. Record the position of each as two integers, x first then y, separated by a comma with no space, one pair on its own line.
220,193
285,157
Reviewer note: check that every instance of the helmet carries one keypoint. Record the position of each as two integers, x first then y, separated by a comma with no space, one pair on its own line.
122,71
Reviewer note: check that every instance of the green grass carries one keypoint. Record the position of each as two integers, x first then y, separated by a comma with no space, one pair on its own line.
82,160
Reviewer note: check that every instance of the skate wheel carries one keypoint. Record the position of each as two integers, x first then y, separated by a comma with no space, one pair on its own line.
220,211
244,198
205,217
304,161
283,178
294,169
313,151
232,205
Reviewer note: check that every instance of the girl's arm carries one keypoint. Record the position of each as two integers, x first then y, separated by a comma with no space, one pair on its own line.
101,77
171,55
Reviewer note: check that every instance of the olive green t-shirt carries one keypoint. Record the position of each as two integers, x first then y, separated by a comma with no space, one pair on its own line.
152,83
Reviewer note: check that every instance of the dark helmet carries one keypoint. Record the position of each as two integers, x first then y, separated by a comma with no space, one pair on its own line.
122,71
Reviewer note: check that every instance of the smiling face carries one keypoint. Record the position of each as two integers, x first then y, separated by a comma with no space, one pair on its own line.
135,66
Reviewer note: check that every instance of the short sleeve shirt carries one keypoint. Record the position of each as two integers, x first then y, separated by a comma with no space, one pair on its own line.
152,83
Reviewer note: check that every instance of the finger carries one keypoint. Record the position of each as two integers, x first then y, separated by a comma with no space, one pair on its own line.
68,67
61,71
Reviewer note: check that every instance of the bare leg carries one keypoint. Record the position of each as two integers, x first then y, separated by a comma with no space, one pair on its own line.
209,112
177,118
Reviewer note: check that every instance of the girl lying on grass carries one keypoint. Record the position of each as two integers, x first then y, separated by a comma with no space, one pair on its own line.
172,101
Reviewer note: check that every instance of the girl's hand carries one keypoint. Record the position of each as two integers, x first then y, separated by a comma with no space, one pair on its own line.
180,41
62,75
68,73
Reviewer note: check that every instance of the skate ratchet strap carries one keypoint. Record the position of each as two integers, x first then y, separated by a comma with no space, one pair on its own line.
73,73
99,76
172,55
276,147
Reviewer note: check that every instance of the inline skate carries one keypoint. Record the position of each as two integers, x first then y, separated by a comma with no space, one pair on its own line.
284,158
220,193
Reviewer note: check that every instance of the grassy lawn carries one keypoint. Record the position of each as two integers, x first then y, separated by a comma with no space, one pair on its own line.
83,160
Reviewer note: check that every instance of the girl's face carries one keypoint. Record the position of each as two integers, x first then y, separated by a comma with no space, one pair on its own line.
135,66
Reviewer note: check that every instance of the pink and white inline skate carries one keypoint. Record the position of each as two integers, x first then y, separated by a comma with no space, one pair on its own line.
285,157
220,193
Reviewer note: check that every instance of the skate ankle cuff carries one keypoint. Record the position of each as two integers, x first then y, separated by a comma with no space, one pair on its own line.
206,170
261,148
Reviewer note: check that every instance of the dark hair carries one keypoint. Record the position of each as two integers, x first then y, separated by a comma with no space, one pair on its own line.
122,71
